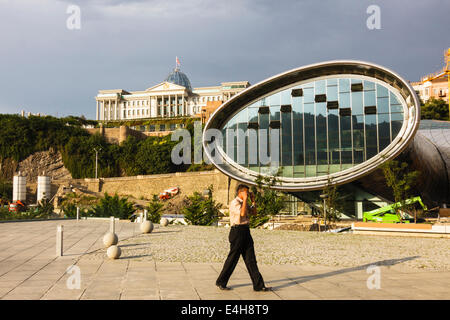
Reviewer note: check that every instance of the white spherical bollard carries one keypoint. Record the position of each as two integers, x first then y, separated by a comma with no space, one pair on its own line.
146,226
113,252
164,222
110,239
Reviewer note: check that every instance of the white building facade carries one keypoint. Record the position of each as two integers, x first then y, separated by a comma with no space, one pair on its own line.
172,98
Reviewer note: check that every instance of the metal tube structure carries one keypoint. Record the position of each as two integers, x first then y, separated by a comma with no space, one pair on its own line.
59,240
324,196
96,161
112,226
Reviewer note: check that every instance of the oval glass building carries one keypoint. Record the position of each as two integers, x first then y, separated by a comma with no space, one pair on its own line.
333,121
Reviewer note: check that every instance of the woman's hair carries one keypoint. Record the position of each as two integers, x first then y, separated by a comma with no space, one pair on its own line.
240,187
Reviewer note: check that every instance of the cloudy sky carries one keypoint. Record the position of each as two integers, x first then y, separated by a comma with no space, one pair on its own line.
131,44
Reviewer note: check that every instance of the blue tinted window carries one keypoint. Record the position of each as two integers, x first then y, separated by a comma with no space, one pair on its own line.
344,100
344,85
383,105
357,103
274,100
358,139
320,87
369,98
382,91
286,97
308,95
369,85
332,93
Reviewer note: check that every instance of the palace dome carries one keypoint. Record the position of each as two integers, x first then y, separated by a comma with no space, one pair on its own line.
179,78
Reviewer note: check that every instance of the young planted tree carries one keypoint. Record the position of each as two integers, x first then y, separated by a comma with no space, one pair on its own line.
333,202
72,201
269,202
402,181
112,206
154,209
202,211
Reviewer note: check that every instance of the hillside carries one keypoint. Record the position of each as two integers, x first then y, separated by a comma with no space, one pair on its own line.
63,148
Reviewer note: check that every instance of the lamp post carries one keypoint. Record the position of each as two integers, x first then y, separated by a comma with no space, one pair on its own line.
324,196
96,161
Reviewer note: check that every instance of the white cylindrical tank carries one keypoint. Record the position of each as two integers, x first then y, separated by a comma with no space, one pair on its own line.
43,188
19,188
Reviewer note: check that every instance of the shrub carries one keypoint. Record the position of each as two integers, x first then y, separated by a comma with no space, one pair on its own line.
69,210
154,209
71,201
112,206
202,211
42,211
44,208
269,202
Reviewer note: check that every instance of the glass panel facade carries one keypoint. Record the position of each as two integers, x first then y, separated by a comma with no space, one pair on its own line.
315,137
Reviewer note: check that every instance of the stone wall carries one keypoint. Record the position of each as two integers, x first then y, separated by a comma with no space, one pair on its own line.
146,186
117,135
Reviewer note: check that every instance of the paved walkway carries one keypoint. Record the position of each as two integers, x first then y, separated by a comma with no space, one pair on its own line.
29,269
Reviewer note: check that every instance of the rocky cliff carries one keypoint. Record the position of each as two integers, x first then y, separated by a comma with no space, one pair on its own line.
48,162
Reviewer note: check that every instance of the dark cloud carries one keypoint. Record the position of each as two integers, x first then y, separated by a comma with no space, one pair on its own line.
127,44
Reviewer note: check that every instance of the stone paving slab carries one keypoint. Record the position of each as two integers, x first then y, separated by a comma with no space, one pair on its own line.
29,269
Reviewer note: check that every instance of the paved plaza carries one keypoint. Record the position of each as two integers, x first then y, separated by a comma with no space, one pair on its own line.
29,269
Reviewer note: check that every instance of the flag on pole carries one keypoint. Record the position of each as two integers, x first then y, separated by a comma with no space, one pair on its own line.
178,62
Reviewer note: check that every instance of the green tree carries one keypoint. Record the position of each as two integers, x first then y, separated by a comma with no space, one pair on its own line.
401,180
203,211
436,109
154,156
116,206
69,210
6,190
129,150
71,201
268,201
333,202
45,208
154,209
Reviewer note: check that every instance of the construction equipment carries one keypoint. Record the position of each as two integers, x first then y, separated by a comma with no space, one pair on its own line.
168,193
388,213
17,207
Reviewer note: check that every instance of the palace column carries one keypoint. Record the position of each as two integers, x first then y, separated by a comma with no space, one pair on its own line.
170,105
96,111
115,110
182,109
176,105
164,106
149,106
